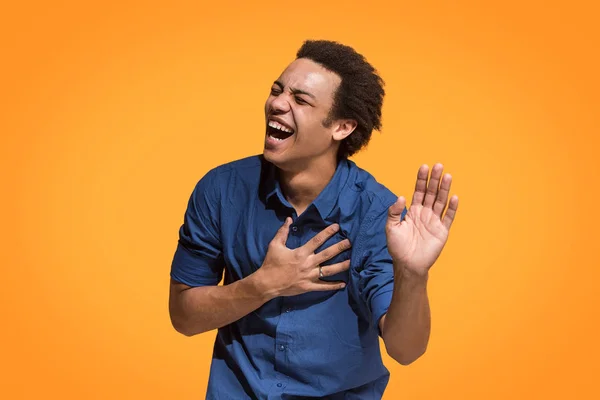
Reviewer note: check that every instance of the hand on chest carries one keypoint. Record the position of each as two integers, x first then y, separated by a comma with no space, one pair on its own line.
248,246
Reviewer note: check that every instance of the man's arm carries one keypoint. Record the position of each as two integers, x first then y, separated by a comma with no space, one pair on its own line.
195,310
415,240
406,326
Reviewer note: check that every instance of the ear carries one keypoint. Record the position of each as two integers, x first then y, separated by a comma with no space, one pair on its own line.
342,128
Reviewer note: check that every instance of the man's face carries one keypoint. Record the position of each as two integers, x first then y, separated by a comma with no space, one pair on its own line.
295,112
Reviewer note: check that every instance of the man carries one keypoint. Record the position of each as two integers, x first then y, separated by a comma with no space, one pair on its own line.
319,259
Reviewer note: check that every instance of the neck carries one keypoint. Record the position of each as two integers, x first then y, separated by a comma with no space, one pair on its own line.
301,187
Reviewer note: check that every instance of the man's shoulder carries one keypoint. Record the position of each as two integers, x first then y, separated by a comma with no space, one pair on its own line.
246,165
230,179
245,169
375,194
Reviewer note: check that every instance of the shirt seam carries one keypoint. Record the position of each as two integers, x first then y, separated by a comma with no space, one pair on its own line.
368,223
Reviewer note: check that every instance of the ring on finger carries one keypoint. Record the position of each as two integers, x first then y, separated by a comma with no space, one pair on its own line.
320,272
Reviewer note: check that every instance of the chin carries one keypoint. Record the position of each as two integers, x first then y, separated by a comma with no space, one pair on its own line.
274,158
281,160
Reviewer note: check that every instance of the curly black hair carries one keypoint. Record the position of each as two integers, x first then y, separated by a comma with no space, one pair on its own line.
359,96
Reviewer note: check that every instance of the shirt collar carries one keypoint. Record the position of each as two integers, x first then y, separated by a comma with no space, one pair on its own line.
325,201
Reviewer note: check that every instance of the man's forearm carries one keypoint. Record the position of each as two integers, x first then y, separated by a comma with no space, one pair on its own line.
408,320
201,309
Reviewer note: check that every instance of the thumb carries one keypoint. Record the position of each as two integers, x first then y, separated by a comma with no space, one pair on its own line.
283,232
397,210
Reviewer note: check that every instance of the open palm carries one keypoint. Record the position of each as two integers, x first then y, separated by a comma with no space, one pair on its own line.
416,241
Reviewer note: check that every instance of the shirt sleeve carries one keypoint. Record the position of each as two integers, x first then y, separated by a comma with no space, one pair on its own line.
198,259
376,278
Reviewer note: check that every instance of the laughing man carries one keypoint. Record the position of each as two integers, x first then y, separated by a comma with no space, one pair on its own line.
319,259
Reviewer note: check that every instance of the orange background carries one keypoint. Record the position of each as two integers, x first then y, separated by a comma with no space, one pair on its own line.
111,112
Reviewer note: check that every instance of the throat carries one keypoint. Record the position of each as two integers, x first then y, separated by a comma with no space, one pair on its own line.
303,187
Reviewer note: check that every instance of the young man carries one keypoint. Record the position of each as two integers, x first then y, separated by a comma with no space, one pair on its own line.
319,259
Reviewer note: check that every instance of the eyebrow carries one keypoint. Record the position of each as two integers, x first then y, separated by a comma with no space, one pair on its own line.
295,91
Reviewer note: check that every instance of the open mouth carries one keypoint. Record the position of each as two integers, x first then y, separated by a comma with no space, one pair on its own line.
278,131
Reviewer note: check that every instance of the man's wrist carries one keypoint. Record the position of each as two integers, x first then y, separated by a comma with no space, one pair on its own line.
408,275
259,285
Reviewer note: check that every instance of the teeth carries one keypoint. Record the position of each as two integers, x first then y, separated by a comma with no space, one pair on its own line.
277,125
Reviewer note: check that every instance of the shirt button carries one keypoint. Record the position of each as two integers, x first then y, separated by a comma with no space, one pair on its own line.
288,309
281,347
279,385
295,228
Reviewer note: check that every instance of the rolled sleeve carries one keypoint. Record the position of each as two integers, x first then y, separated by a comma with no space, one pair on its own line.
376,277
198,259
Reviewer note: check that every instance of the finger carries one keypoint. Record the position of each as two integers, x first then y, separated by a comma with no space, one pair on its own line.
313,244
329,270
421,185
283,232
331,251
442,197
321,286
396,210
434,183
450,212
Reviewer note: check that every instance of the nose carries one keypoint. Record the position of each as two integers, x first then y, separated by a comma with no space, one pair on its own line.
280,104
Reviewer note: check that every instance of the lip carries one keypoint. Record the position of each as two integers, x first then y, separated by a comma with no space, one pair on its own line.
282,122
274,144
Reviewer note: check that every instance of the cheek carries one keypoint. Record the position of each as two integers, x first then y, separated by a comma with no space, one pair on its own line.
317,132
310,129
308,120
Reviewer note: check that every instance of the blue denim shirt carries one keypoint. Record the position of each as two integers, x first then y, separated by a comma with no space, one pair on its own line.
317,344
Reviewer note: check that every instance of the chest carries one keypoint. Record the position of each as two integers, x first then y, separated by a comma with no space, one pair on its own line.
252,226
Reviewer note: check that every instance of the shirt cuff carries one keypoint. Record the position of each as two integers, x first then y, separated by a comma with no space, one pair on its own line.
380,304
194,270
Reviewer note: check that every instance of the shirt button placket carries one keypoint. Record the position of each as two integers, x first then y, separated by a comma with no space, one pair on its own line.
282,330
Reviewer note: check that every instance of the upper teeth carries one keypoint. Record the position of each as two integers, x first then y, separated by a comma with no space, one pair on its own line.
277,125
